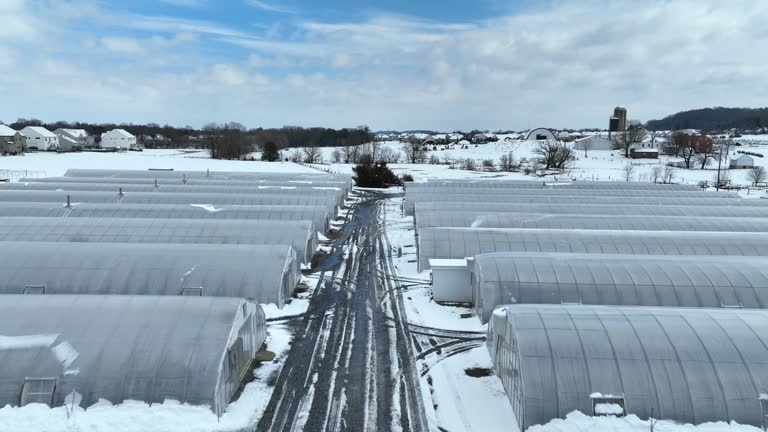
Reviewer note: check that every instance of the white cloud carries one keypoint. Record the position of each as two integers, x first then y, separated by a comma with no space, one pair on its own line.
560,65
121,45
269,7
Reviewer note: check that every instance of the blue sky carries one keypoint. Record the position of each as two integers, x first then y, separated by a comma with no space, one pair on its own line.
444,65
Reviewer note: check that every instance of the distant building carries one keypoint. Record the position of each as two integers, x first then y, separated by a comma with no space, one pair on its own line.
541,134
644,153
429,140
118,139
621,115
11,141
481,137
80,136
741,162
594,142
40,138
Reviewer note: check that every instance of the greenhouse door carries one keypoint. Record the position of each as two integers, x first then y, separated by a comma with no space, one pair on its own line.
38,390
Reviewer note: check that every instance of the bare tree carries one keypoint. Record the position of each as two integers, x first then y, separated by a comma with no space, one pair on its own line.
296,155
757,175
656,174
468,164
489,165
703,159
312,154
668,174
625,140
586,145
336,156
374,147
415,152
553,154
507,162
628,170
388,155
434,159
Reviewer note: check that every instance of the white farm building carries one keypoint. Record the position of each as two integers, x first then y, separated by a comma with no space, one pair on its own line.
118,139
40,138
541,134
594,142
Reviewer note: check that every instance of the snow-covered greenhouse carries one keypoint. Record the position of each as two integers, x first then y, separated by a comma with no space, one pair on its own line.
449,243
552,184
316,182
759,209
335,194
686,365
81,349
318,215
625,280
205,175
302,235
540,203
479,219
264,273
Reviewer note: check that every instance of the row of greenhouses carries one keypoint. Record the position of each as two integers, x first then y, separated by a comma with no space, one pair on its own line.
629,298
148,285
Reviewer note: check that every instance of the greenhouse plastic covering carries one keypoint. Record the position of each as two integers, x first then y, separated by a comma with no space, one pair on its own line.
704,200
552,184
569,192
686,365
450,243
318,215
294,198
469,219
333,193
191,182
299,234
264,273
625,280
214,175
745,210
120,348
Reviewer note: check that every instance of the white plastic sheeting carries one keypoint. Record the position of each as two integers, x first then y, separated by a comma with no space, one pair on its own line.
626,280
318,215
302,235
142,348
264,273
450,243
685,365
479,219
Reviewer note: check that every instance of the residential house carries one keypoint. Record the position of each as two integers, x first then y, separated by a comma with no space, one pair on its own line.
40,138
11,141
118,139
79,136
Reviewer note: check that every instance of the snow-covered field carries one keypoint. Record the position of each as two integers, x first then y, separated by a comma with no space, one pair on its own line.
47,164
597,165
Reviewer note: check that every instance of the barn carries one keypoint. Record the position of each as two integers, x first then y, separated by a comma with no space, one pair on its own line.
541,134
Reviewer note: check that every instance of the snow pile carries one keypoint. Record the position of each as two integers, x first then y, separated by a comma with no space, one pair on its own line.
578,422
609,409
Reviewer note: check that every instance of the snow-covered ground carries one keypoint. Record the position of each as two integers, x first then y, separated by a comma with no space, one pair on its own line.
48,164
596,165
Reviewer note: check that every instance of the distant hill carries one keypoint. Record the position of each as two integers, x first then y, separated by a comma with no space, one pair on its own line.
714,119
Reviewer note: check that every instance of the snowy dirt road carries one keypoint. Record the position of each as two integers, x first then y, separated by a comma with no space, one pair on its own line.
351,364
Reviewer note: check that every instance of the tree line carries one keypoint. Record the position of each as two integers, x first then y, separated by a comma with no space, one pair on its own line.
714,119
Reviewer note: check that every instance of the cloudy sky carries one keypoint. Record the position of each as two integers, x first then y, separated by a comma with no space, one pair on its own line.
394,64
